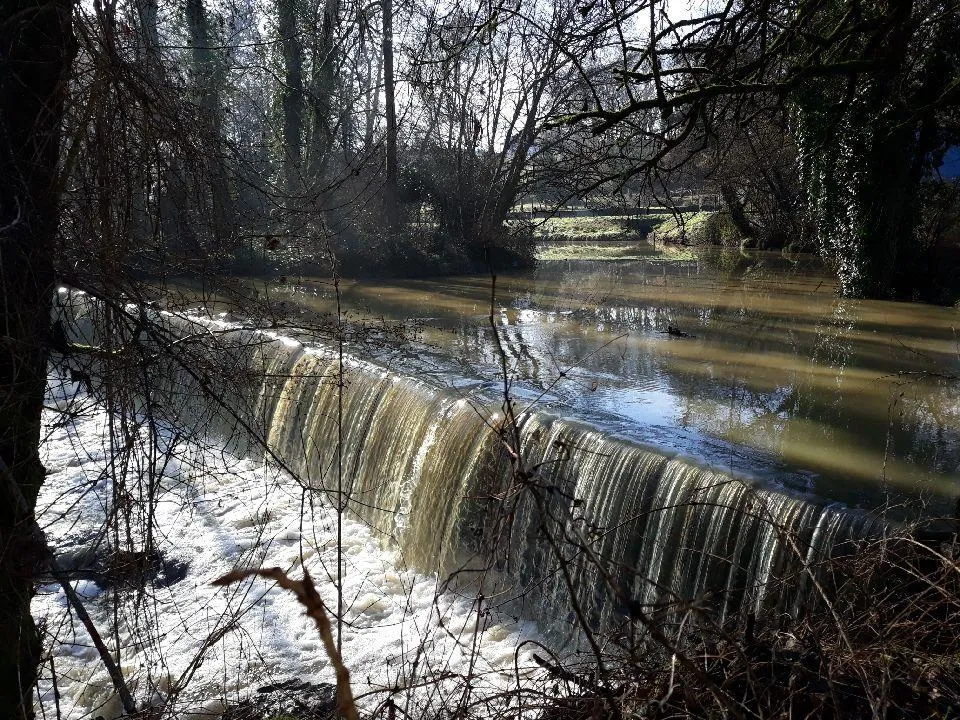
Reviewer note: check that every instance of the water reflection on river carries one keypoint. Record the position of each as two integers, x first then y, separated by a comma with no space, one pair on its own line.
779,378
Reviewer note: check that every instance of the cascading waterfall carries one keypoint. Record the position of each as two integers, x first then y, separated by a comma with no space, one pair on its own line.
674,532
428,470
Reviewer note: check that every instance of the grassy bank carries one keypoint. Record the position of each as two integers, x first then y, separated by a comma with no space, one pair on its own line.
596,228
608,237
684,229
641,250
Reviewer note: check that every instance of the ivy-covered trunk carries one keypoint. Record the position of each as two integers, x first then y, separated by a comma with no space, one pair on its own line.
863,197
867,144
35,54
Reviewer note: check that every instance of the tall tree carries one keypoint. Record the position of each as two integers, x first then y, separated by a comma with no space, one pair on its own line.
371,90
390,106
210,76
323,83
36,48
291,93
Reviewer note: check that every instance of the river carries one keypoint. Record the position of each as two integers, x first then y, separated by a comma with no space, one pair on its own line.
725,461
769,375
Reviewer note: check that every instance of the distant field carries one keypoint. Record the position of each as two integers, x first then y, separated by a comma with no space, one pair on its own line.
640,250
614,237
597,227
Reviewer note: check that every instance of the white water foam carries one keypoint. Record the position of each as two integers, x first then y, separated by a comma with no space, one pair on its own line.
194,648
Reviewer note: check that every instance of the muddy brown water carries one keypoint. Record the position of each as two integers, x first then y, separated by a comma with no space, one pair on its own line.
767,373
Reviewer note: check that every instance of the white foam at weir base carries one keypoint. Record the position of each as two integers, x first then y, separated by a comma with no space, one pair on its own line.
215,512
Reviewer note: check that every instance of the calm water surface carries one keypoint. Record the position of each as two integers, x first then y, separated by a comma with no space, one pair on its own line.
778,379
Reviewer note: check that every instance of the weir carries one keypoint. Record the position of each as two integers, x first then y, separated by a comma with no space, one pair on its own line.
640,530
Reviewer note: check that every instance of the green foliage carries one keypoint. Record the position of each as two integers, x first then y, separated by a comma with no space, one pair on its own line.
684,229
717,229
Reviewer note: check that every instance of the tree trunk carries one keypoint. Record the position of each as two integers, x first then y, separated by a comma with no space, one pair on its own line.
506,197
390,105
36,47
145,228
209,81
372,100
291,94
347,125
863,157
737,214
147,15
323,83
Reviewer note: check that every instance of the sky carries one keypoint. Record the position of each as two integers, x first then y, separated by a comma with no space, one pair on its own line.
950,169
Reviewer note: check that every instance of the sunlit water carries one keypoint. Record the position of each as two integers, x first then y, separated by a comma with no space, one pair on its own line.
779,379
646,437
638,440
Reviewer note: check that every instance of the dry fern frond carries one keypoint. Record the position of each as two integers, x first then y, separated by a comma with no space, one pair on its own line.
308,596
